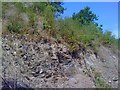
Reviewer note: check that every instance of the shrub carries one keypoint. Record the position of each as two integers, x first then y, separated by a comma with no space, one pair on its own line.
14,26
49,20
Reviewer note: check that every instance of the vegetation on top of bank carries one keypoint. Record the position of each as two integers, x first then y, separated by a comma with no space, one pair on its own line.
80,29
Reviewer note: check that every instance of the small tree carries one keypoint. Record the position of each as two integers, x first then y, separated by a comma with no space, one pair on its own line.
85,16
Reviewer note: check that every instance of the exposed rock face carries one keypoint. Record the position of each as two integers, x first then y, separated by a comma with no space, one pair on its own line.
13,84
44,64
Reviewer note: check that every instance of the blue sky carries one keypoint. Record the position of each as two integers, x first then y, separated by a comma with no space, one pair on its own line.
107,12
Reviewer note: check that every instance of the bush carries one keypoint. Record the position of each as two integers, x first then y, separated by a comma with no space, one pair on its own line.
49,20
71,30
14,26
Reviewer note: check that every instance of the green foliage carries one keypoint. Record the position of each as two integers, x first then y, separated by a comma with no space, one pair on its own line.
23,8
108,38
69,31
57,8
39,7
49,15
45,25
81,28
20,6
4,8
14,26
49,20
100,82
72,32
85,16
48,10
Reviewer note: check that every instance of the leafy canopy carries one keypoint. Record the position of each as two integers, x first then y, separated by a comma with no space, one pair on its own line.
85,16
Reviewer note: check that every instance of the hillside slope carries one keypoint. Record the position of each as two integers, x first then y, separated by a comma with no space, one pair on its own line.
40,50
44,64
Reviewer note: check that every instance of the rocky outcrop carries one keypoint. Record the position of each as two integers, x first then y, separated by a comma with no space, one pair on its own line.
44,64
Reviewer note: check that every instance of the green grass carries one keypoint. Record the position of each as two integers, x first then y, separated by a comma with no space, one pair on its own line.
14,26
100,83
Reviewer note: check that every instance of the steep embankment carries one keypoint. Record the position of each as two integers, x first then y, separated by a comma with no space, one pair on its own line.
45,64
